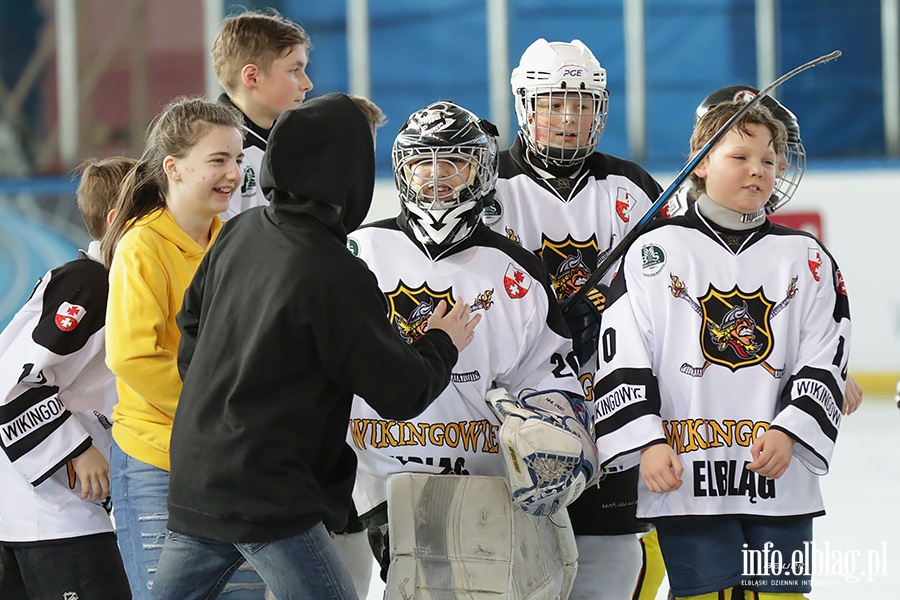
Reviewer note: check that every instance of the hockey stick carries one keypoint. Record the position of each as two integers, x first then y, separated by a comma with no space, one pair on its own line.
641,225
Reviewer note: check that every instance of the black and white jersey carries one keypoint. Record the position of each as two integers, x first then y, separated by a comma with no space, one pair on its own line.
249,194
571,223
712,338
56,397
520,343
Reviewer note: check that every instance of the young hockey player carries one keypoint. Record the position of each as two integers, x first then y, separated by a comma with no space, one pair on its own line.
260,59
569,204
56,398
268,394
790,172
716,373
445,162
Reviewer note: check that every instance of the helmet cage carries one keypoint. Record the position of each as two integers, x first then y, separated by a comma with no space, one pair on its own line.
566,74
791,171
547,112
438,212
789,176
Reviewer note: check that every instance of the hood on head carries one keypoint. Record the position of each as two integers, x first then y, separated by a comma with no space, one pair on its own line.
320,161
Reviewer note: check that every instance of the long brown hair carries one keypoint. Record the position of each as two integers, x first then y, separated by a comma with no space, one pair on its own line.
181,125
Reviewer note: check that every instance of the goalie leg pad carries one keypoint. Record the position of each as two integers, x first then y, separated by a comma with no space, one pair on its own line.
460,537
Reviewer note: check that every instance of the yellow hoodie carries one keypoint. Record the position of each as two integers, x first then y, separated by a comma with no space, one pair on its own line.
153,265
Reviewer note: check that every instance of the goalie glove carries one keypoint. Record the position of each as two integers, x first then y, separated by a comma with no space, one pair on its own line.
550,453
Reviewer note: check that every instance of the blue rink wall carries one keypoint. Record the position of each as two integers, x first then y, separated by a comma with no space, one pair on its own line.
421,52
28,249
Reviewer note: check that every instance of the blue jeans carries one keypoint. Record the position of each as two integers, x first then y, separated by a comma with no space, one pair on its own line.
139,492
301,567
707,554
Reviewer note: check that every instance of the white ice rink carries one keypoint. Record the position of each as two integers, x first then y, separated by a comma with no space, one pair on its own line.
861,532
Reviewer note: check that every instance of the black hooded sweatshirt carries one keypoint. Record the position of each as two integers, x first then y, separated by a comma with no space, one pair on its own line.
280,327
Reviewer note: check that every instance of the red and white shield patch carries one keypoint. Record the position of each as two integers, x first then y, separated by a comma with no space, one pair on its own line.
815,263
839,286
69,315
624,202
516,282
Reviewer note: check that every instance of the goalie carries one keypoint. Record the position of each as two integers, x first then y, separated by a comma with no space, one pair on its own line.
489,535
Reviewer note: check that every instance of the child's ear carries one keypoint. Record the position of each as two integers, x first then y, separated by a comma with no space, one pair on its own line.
110,216
170,168
700,169
250,76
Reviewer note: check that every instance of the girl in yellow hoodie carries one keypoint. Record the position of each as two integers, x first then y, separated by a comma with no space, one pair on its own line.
166,219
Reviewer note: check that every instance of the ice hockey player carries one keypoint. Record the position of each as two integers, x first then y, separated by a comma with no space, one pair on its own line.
445,161
570,205
716,373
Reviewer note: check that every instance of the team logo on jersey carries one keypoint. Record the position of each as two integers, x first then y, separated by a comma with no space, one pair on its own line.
353,246
248,184
815,263
410,309
516,282
653,259
484,300
569,263
68,316
736,331
511,234
493,210
624,203
839,286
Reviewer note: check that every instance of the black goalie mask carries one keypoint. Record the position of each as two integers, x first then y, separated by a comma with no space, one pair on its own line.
445,166
791,171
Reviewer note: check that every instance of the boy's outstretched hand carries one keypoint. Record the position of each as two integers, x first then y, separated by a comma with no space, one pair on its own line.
93,471
771,454
455,323
661,468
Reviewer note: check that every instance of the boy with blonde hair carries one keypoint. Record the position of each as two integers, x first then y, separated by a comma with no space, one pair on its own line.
56,399
260,59
724,352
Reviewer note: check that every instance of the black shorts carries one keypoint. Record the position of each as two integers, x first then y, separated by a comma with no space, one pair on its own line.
610,508
89,566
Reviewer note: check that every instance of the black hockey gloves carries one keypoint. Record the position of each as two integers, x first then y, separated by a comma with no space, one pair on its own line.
583,320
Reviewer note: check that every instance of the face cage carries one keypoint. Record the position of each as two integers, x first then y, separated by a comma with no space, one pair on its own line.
789,179
473,188
527,113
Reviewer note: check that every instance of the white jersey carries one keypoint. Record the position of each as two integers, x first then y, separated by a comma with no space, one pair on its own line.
705,347
519,344
56,397
249,194
570,223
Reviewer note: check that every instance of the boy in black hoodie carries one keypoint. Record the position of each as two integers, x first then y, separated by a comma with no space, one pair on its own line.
281,326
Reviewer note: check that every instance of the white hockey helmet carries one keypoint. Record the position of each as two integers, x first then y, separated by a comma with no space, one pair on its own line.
568,70
460,156
795,154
